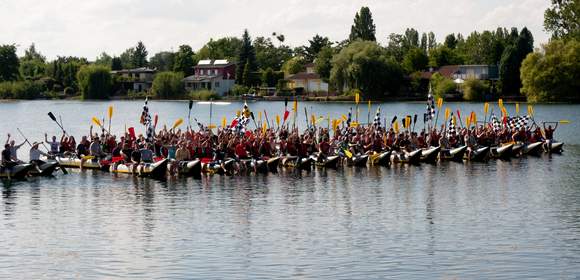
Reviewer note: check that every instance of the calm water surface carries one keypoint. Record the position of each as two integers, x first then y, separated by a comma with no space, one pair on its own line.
503,219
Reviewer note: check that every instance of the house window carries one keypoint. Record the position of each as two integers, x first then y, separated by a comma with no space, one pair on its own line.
217,84
215,71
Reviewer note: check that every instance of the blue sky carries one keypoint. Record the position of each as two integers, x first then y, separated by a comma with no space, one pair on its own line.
87,28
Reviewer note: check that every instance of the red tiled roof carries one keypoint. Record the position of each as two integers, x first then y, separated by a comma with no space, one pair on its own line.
304,76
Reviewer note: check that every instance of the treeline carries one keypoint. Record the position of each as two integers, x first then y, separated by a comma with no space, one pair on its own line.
355,63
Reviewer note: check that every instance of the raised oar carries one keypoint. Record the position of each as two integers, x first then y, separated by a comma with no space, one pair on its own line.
110,116
98,123
189,114
393,121
25,139
253,119
52,117
459,117
439,106
414,122
267,120
485,110
177,123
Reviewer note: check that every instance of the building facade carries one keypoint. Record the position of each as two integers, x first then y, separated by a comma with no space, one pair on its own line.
138,79
215,75
308,81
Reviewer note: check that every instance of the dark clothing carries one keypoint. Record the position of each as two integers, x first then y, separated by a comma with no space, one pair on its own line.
82,150
136,156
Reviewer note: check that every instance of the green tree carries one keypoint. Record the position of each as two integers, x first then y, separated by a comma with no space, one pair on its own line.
442,85
162,61
511,62
474,90
104,59
450,41
94,81
116,63
363,27
415,60
395,46
9,63
140,55
223,48
423,45
168,85
294,65
554,74
431,41
270,56
269,78
442,56
562,19
32,64
365,65
411,39
184,60
246,55
323,63
32,54
127,58
315,45
64,70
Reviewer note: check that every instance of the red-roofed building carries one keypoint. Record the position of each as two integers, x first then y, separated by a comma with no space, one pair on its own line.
215,75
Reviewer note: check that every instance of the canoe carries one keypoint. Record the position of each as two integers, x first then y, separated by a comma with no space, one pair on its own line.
479,154
328,162
453,154
156,170
382,159
358,160
19,171
259,166
272,164
430,155
44,169
413,157
554,148
292,161
503,152
517,149
533,149
73,162
221,168
190,168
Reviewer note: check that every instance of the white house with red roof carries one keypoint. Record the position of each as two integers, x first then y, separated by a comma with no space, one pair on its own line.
309,81
215,75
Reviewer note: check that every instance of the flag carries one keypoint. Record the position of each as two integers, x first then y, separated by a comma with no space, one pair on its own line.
495,123
430,106
451,127
377,119
146,121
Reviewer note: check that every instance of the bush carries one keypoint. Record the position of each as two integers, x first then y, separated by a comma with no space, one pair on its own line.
94,82
475,90
20,90
204,95
168,85
442,85
238,90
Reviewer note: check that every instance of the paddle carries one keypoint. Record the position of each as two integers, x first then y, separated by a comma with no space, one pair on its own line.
439,106
278,120
189,113
266,117
414,122
459,117
177,123
393,121
485,110
22,134
52,117
155,120
356,101
98,123
253,119
110,116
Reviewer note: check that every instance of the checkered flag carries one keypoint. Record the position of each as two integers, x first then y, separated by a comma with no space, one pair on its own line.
430,106
377,120
451,128
495,122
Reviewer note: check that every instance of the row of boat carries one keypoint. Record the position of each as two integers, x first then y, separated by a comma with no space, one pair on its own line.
198,167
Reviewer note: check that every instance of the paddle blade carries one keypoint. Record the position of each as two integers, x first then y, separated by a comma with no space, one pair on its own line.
344,118
190,104
564,121
518,108
110,112
97,122
485,107
285,102
224,122
260,116
415,119
439,103
530,110
313,119
356,98
295,107
177,123
264,127
396,127
278,119
155,120
348,153
51,115
353,124
286,114
447,113
394,120
458,114
500,103
132,132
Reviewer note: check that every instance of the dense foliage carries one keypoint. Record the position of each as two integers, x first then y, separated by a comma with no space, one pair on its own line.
168,85
94,82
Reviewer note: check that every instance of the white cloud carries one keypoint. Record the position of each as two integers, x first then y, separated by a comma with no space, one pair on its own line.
87,28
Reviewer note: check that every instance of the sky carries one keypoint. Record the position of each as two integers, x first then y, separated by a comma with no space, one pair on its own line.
87,28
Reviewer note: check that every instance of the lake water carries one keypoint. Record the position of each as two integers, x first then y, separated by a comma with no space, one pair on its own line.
503,219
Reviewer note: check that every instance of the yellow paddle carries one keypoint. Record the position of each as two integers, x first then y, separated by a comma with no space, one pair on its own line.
177,123
97,122
447,113
356,98
110,116
396,127
278,120
224,122
264,127
500,103
439,103
517,108
344,118
564,121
